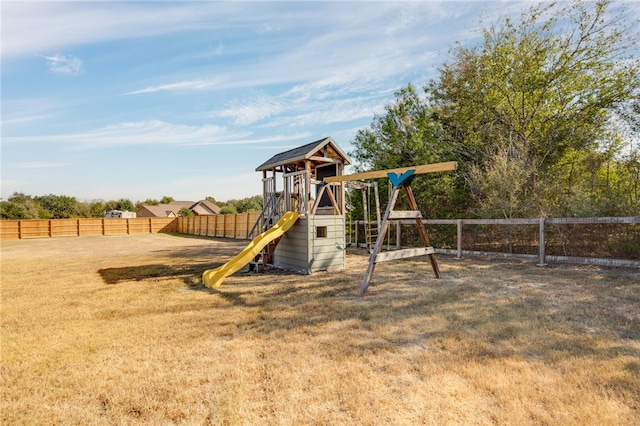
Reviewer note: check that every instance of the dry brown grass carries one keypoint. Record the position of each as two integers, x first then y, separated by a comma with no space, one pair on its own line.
118,330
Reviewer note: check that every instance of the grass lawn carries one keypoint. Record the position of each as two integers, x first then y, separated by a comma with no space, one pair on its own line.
119,330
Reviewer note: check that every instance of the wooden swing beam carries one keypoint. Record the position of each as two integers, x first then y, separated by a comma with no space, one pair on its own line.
377,174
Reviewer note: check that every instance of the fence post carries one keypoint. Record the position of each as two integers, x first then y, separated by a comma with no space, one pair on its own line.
541,243
459,239
19,229
355,232
398,236
235,225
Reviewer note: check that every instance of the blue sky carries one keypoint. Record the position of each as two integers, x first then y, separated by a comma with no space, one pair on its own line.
137,100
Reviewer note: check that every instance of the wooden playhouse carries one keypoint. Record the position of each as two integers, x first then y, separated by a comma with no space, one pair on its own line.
293,181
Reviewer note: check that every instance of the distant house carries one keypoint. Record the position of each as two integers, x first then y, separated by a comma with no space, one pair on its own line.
199,208
119,214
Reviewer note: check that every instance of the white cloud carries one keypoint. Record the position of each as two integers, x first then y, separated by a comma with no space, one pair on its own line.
64,64
152,132
258,108
197,84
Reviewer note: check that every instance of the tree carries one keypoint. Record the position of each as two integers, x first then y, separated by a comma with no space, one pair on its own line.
405,135
185,212
95,208
125,204
228,209
20,206
548,84
539,89
501,186
58,206
249,204
166,200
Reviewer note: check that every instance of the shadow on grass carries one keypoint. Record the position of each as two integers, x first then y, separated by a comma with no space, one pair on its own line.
189,273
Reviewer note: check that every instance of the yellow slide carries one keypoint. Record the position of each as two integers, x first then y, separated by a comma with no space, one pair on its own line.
214,277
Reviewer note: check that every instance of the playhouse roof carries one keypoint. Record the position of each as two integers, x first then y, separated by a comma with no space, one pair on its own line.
305,152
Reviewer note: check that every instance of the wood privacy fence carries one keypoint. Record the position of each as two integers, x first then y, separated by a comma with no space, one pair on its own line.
227,225
604,241
39,228
224,225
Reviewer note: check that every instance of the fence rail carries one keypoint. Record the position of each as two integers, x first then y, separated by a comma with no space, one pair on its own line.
603,241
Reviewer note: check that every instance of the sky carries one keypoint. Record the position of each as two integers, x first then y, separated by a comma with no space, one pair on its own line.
140,100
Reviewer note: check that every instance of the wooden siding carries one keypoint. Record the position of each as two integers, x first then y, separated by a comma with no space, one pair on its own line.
301,251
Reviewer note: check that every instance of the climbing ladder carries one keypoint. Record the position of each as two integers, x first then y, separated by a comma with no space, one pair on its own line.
271,212
399,181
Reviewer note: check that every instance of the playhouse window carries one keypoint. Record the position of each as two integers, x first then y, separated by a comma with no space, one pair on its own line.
321,232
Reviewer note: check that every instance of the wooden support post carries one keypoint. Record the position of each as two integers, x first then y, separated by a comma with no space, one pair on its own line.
541,244
422,230
378,245
459,242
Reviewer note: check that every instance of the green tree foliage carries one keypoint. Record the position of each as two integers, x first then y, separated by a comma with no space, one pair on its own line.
166,200
545,86
58,206
405,135
125,204
185,212
547,81
249,204
228,209
243,205
517,111
20,206
95,208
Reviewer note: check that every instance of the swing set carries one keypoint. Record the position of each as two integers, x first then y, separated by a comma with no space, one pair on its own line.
400,180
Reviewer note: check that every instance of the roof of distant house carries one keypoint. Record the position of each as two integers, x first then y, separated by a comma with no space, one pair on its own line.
202,207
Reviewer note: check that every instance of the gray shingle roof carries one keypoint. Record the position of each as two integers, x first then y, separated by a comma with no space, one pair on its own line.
301,153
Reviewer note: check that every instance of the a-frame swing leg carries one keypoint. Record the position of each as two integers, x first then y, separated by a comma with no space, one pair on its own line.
423,232
378,246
